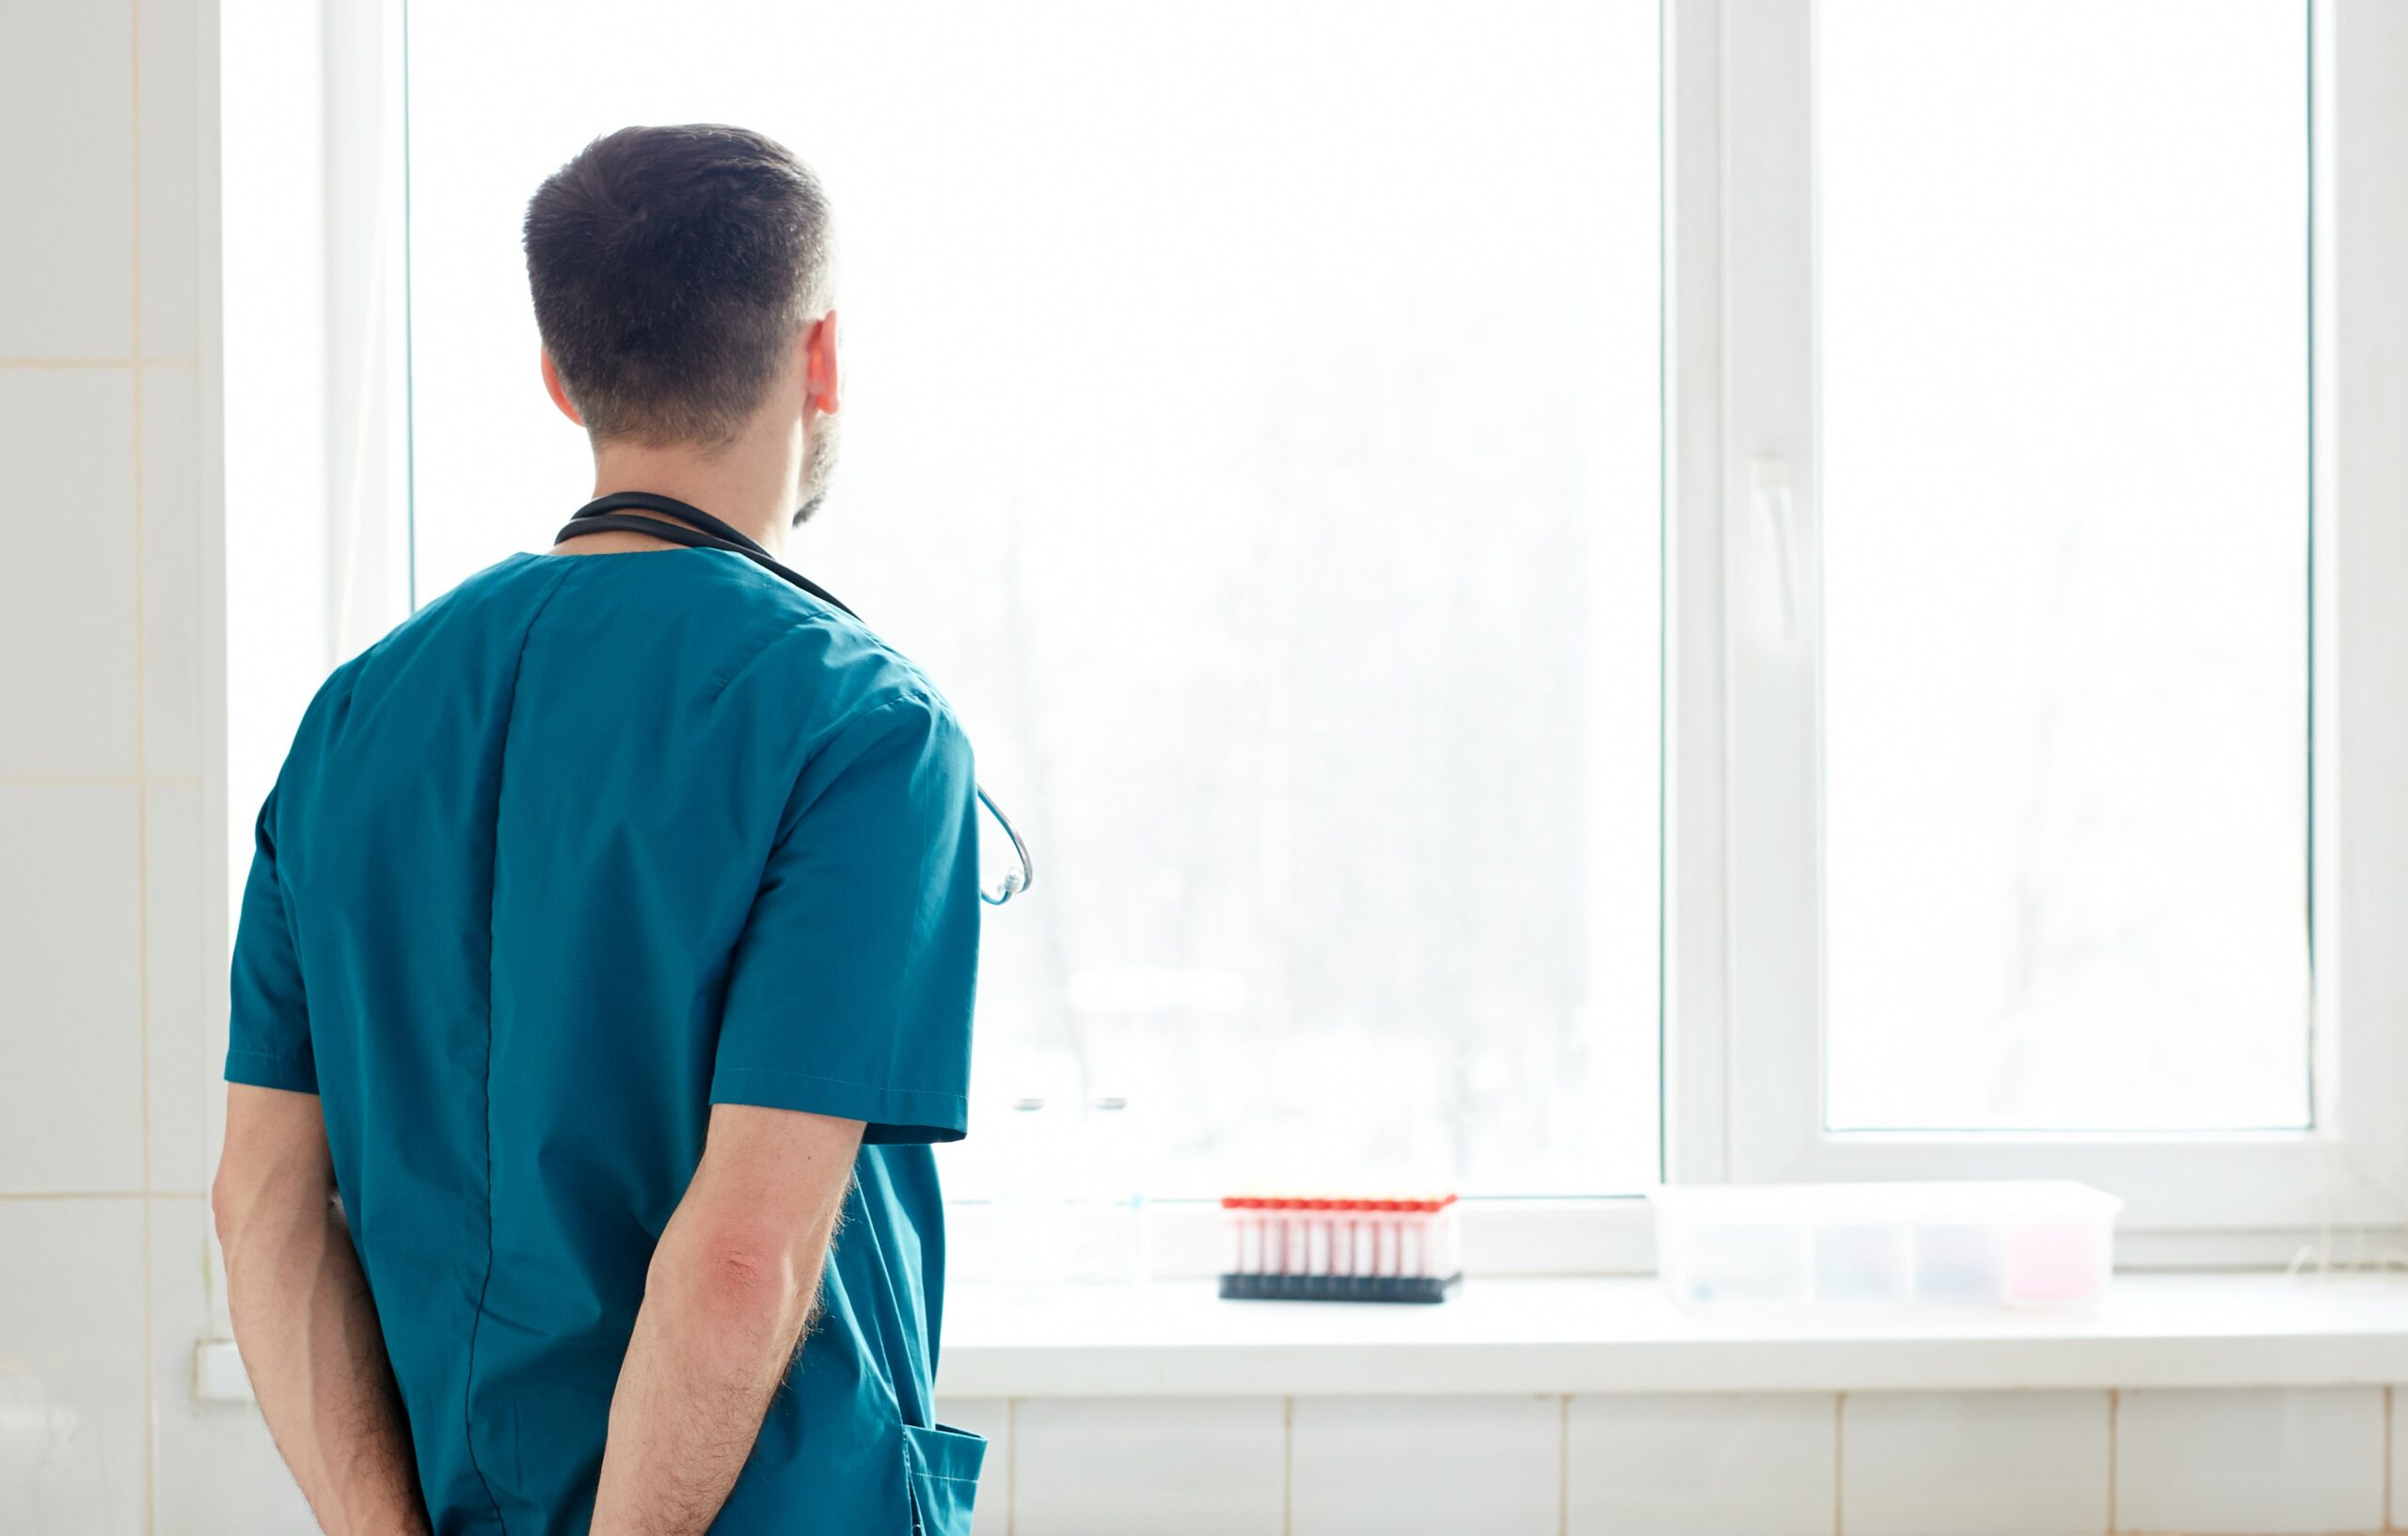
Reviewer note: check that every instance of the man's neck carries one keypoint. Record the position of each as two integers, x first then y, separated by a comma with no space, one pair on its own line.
748,486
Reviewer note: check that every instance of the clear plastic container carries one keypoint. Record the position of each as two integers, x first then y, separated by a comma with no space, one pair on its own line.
1110,1230
1978,1243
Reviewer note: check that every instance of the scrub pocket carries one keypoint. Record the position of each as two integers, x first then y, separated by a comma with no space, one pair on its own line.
942,1466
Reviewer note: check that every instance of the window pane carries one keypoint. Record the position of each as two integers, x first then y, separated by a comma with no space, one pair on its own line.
2065,333
1252,426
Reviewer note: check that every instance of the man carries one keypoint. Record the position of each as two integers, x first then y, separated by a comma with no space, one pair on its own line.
609,945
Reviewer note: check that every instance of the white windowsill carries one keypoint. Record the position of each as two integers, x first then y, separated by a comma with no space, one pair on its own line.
1621,1335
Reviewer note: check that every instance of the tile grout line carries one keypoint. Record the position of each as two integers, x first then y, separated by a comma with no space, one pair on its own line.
30,363
2115,1427
52,781
35,364
28,1195
1564,1464
1287,1465
142,805
2390,1450
1839,1460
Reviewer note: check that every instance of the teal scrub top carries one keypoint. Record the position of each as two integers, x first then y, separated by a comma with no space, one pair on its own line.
584,847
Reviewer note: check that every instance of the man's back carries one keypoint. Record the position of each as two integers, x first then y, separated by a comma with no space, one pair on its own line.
586,844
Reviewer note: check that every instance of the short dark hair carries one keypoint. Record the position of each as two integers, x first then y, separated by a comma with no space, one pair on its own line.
672,268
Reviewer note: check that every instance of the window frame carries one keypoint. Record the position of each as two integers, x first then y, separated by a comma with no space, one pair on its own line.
1756,525
1740,1062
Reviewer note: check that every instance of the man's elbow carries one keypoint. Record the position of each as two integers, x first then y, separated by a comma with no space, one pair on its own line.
275,1173
250,1204
230,1204
743,1288
739,1274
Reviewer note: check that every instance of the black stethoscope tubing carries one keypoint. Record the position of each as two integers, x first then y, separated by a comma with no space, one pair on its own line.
609,513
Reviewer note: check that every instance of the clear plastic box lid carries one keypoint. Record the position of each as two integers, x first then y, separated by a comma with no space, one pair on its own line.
1963,1200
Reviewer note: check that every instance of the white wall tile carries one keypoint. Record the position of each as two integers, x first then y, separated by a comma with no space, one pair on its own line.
67,605
1425,1466
218,1469
183,984
992,1417
166,41
1974,1464
74,1452
1700,1465
67,113
71,1096
1167,1466
173,610
2298,1461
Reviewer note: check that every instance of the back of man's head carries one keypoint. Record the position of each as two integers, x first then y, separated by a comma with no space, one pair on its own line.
672,270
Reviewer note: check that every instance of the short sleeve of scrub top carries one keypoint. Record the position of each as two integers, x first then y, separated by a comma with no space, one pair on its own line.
848,992
269,1023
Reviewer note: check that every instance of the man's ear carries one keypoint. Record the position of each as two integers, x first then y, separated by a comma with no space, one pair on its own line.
819,371
559,395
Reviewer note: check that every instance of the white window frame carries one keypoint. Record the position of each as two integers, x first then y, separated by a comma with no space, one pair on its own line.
1752,493
1742,1061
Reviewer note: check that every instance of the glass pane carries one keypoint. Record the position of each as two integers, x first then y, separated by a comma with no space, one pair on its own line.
1252,426
2065,333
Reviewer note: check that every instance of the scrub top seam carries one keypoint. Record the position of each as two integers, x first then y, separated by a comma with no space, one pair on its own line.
493,889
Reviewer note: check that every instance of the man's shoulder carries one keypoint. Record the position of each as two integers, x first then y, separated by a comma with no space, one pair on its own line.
416,627
840,697
828,655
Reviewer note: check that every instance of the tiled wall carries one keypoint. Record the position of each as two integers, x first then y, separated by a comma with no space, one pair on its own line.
2253,1462
107,979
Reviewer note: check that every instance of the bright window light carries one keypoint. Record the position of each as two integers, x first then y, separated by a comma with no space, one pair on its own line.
2065,399
1252,425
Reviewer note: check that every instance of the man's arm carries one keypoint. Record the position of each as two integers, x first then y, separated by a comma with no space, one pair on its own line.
305,1321
726,1302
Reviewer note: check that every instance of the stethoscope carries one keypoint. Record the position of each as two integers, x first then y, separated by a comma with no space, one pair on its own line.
605,516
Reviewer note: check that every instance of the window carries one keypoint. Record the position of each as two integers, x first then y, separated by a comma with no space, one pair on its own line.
2064,491
2032,343
1314,497
1262,454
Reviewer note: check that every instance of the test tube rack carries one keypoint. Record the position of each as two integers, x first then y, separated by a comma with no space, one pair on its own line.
1311,1248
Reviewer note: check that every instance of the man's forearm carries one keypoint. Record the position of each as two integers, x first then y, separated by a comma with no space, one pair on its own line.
725,1301
715,1335
315,1353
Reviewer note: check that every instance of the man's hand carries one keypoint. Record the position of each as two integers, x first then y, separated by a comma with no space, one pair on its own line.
726,1302
305,1321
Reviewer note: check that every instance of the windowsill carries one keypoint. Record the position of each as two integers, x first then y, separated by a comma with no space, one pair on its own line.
1621,1335
1175,1339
